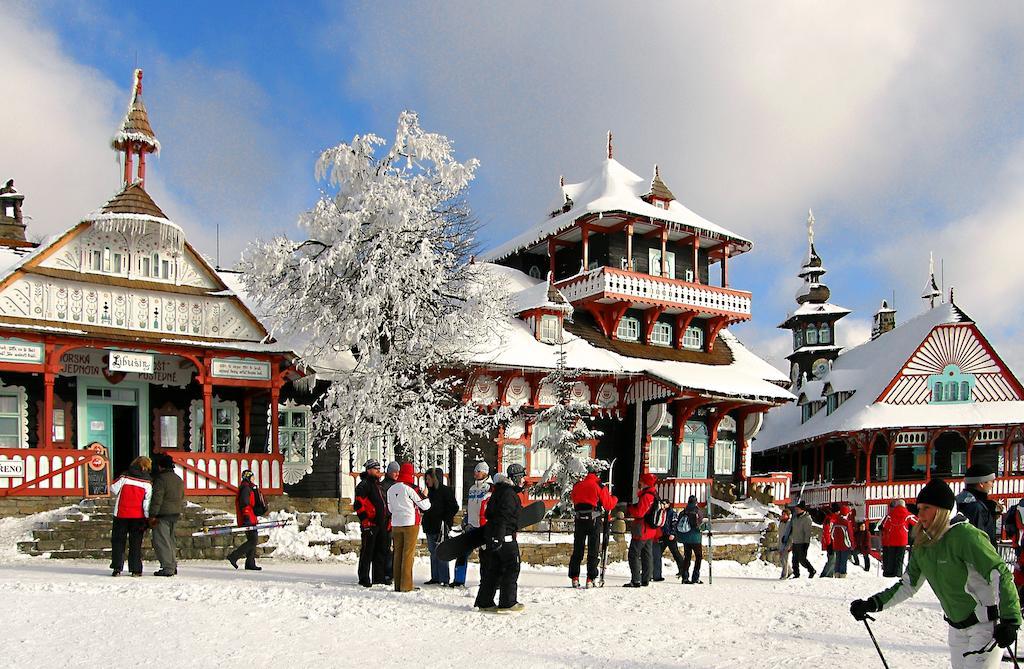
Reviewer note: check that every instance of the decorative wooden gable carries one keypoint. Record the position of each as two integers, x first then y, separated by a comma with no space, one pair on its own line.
954,364
134,278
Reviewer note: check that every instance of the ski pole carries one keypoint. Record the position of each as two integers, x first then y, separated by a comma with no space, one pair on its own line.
874,641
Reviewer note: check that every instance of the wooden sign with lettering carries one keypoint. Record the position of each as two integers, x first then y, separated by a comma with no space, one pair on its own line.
96,475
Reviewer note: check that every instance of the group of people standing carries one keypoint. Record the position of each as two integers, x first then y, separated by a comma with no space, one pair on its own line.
146,499
392,510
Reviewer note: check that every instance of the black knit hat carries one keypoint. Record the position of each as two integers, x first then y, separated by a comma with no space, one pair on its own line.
937,493
979,473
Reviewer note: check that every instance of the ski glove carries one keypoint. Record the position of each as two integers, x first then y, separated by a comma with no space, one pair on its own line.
860,608
1005,633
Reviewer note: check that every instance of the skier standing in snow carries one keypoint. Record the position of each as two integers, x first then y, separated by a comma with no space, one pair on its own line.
165,509
785,530
405,502
390,478
970,580
895,534
688,528
132,495
500,554
841,529
800,538
590,501
973,501
862,543
246,503
371,508
668,540
640,558
437,522
474,518
826,541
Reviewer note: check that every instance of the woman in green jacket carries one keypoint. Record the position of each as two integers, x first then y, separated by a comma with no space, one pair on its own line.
970,580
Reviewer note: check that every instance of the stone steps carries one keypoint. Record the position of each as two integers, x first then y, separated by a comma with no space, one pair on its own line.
84,532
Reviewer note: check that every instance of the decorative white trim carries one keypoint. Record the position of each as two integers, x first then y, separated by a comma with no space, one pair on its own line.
22,399
295,469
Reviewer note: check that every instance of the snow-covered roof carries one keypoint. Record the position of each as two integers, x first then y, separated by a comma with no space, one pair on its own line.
543,295
813,309
611,188
867,370
515,346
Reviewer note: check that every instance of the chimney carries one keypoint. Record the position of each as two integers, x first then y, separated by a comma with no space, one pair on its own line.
12,225
885,320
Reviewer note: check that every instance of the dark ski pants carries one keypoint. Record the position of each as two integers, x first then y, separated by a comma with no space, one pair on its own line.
248,549
800,558
892,561
659,551
841,558
586,535
130,531
697,552
373,550
641,561
499,570
830,564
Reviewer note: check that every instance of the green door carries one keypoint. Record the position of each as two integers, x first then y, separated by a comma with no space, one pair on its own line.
100,426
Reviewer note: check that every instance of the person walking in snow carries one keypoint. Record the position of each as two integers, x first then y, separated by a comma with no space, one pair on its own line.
688,528
895,534
973,501
862,542
590,501
841,529
437,522
390,478
800,539
405,502
668,540
474,518
644,534
165,509
132,492
970,580
372,510
500,553
826,542
785,545
248,505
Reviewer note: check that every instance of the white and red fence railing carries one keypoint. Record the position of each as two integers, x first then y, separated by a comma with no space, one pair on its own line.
779,483
677,491
220,473
51,472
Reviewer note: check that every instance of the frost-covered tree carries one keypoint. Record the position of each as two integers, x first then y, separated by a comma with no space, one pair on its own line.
564,426
384,275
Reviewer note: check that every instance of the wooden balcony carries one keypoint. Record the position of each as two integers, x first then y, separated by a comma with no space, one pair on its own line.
608,285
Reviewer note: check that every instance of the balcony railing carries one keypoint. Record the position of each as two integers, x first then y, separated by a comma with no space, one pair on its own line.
607,282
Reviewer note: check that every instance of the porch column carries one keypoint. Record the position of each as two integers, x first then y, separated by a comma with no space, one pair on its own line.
207,416
725,267
586,247
856,462
971,436
552,249
800,463
928,456
867,465
696,270
892,459
629,247
275,394
246,419
664,240
48,378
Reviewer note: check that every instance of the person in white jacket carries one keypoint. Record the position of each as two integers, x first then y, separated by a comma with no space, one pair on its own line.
405,502
477,498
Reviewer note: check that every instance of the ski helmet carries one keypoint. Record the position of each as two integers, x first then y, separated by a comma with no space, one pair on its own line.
247,475
516,472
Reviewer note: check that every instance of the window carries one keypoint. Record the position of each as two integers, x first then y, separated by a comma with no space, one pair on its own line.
951,385
9,210
550,329
629,329
225,426
829,468
661,335
806,412
661,449
513,453
725,456
812,335
372,449
654,263
798,338
659,204
693,452
540,458
689,275
13,417
168,432
96,261
59,431
958,463
824,334
881,472
535,272
833,402
293,433
693,338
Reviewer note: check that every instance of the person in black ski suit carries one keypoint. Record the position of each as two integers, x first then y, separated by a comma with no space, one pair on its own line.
371,508
437,522
973,501
499,556
669,541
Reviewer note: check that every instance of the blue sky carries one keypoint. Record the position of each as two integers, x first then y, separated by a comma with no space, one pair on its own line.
900,125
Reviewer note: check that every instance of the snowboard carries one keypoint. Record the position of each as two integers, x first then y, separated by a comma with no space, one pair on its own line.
460,544
234,529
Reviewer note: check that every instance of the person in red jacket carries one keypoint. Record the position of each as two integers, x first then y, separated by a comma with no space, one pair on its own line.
245,509
640,547
826,542
590,501
841,531
133,492
895,534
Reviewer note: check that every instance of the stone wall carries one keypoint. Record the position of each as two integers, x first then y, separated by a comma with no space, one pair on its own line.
25,506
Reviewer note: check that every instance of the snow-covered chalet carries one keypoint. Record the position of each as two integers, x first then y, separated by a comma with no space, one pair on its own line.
874,423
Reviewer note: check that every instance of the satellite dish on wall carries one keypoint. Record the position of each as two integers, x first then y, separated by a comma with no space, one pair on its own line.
752,425
658,417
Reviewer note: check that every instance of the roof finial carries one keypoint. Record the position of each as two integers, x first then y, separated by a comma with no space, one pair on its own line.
561,180
657,172
138,83
810,233
931,289
609,145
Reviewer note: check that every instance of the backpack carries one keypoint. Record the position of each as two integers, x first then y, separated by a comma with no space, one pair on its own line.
683,526
259,505
656,515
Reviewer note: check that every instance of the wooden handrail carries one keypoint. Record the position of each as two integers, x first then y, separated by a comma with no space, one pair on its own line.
206,475
6,492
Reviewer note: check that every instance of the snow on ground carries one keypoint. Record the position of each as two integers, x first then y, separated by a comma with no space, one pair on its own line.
73,614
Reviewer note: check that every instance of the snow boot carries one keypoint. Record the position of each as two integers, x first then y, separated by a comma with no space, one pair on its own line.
631,584
488,609
657,580
840,575
575,582
518,606
591,584
117,572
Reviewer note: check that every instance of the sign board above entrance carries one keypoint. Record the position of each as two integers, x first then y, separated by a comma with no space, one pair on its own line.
240,368
19,350
168,370
124,361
